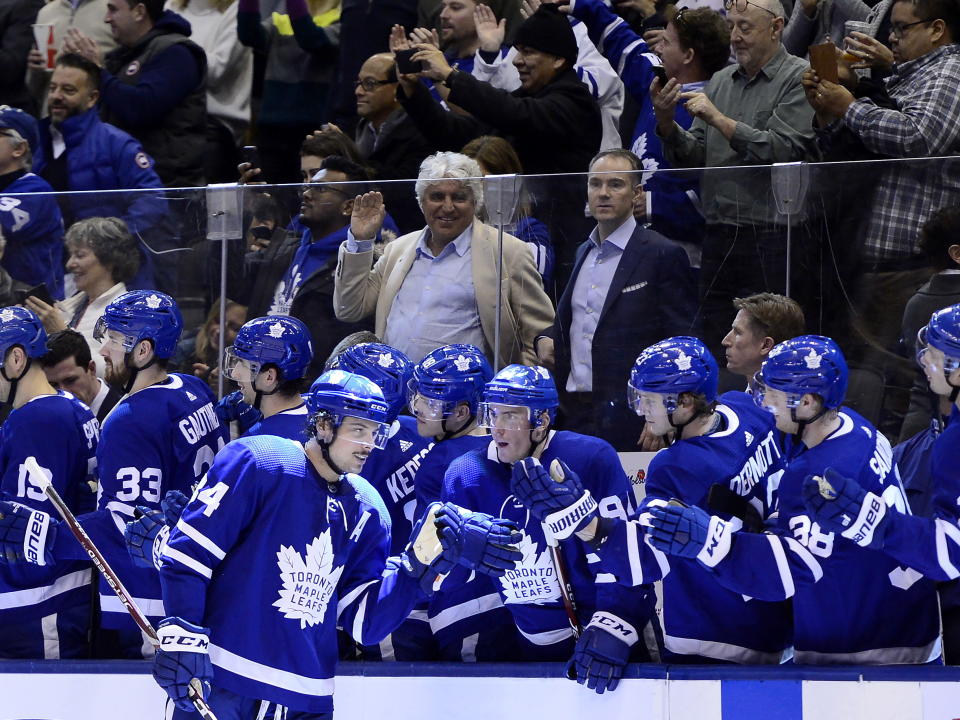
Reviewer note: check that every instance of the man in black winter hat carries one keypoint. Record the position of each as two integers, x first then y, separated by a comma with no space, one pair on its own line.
552,119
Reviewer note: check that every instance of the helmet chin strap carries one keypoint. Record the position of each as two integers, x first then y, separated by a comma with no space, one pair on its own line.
802,424
12,395
325,451
258,397
680,426
134,370
447,434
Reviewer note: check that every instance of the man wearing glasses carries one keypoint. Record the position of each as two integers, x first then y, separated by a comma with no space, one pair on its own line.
923,122
749,113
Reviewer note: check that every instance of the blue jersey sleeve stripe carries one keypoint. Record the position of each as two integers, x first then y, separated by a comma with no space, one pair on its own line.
548,637
947,530
633,552
200,539
188,562
351,596
811,562
606,31
150,607
783,567
267,675
455,613
37,595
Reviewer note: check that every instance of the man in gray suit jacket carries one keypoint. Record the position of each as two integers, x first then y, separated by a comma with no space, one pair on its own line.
439,285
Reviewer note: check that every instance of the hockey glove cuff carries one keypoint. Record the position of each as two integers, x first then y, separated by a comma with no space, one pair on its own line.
689,532
26,535
842,506
181,657
146,538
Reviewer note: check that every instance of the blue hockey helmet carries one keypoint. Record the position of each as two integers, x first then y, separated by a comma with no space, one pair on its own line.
446,377
520,386
942,333
389,368
20,326
344,394
805,364
143,315
670,367
276,340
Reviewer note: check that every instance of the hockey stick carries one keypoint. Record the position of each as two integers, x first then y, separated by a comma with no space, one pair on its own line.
194,691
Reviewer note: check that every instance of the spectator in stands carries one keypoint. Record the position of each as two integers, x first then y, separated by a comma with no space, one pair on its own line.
198,352
816,21
510,11
940,243
30,223
79,152
16,16
496,156
631,287
440,285
103,258
924,122
301,50
694,45
552,120
153,86
594,71
763,320
86,16
229,81
69,366
753,112
296,276
387,139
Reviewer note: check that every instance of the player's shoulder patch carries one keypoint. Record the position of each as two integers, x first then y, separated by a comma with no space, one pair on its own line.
142,160
133,68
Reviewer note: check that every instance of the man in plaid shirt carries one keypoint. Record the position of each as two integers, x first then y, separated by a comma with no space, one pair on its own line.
924,122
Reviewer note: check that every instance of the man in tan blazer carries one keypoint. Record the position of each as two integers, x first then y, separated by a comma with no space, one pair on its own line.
438,285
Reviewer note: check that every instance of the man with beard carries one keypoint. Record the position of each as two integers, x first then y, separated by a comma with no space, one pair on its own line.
77,151
162,436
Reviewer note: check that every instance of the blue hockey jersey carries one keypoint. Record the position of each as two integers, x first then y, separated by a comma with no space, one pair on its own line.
429,480
931,545
30,220
531,592
62,434
290,424
701,618
163,437
267,540
850,605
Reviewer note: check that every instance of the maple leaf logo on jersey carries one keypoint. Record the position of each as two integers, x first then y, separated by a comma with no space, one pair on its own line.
308,582
683,361
405,445
7,315
748,437
386,360
462,363
533,581
276,330
153,302
812,360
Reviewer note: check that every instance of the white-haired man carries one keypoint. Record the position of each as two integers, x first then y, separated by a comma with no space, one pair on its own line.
438,285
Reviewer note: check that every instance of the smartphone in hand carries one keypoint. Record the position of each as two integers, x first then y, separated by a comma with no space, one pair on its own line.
251,155
40,292
661,75
405,65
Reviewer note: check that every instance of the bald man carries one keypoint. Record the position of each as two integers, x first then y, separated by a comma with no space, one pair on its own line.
753,112
388,140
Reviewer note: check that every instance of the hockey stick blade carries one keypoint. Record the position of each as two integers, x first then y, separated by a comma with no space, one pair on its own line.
39,478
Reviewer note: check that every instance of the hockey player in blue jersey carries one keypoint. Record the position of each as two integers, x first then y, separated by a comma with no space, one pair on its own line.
849,605
443,396
306,539
163,435
268,359
549,610
724,447
929,545
391,471
45,610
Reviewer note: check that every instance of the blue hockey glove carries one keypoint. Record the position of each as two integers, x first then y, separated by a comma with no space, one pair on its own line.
689,532
425,558
842,506
172,506
181,657
145,537
602,652
232,407
479,541
557,499
26,535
